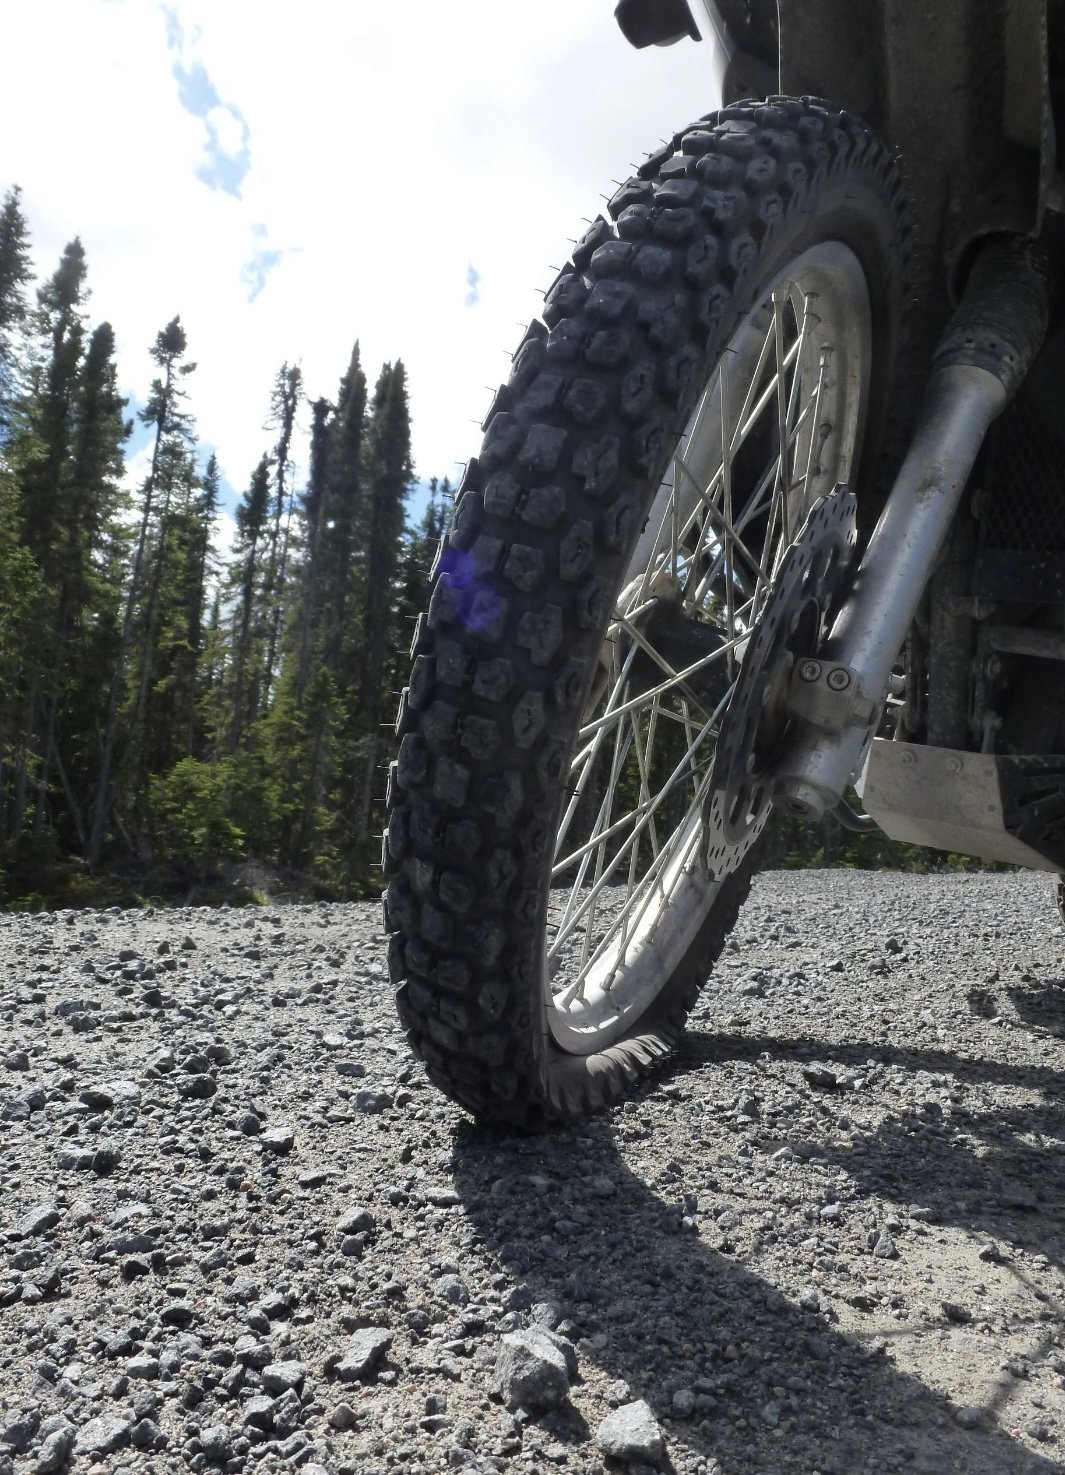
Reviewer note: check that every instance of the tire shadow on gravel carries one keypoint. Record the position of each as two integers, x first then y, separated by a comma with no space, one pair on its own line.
776,1388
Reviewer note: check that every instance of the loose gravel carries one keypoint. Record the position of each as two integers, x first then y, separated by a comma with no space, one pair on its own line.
240,1231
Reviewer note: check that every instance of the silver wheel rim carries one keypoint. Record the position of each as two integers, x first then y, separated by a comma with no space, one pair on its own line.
629,890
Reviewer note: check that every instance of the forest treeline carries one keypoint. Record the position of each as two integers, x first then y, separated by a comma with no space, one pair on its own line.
168,713
163,709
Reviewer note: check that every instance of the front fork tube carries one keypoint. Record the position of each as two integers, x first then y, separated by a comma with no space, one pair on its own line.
979,364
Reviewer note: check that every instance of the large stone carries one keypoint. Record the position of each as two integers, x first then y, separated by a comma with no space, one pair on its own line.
631,1433
531,1370
279,1377
104,1434
364,1351
280,1140
55,1450
354,1220
37,1221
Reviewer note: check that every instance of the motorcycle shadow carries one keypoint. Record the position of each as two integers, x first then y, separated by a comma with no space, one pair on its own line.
997,1171
658,1308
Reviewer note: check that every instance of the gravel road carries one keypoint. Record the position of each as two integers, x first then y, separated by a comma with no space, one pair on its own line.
240,1232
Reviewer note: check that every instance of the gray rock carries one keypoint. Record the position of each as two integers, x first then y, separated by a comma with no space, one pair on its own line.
105,1434
145,1432
98,1098
969,1417
37,1221
441,1198
258,1412
279,1139
960,1315
354,1220
178,1313
364,1351
684,1403
123,1093
106,1158
631,1433
884,1248
55,1450
197,1087
531,1370
279,1377
18,1432
602,1187
214,1443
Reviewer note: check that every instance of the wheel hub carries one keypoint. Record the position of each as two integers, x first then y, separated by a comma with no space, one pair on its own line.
791,627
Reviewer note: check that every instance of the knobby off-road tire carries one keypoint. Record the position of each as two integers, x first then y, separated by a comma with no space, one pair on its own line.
546,526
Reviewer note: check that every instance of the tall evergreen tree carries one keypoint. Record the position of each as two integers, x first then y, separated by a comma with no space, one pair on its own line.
342,511
171,449
284,404
247,577
388,477
86,599
45,430
60,321
15,273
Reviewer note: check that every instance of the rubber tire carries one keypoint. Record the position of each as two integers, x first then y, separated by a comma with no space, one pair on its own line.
546,519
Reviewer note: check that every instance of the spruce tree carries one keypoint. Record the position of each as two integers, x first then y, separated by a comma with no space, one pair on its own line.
388,477
171,449
86,597
15,273
342,514
43,450
284,404
246,577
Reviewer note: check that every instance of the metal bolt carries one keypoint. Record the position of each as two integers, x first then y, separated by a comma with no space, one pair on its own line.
839,678
907,759
809,670
954,765
994,666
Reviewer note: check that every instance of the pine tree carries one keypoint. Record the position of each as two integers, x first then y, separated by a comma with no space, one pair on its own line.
44,442
86,596
388,477
315,504
15,274
342,512
284,404
247,579
170,456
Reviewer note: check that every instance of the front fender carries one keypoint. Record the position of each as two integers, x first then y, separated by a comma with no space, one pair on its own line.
958,88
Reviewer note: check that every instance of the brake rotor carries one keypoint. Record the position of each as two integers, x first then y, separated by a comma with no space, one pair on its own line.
792,625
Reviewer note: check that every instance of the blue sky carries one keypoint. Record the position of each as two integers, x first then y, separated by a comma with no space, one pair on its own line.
290,178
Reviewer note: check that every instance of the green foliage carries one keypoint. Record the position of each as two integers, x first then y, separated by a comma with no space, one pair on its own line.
192,824
170,729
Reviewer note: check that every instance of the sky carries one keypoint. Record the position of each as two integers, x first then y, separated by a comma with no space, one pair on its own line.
292,177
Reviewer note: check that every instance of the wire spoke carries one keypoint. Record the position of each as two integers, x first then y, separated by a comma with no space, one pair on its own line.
776,417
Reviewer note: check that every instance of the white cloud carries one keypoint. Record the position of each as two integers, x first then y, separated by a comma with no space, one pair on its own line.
381,150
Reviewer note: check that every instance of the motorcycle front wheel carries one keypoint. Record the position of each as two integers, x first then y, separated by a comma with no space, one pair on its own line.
717,357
